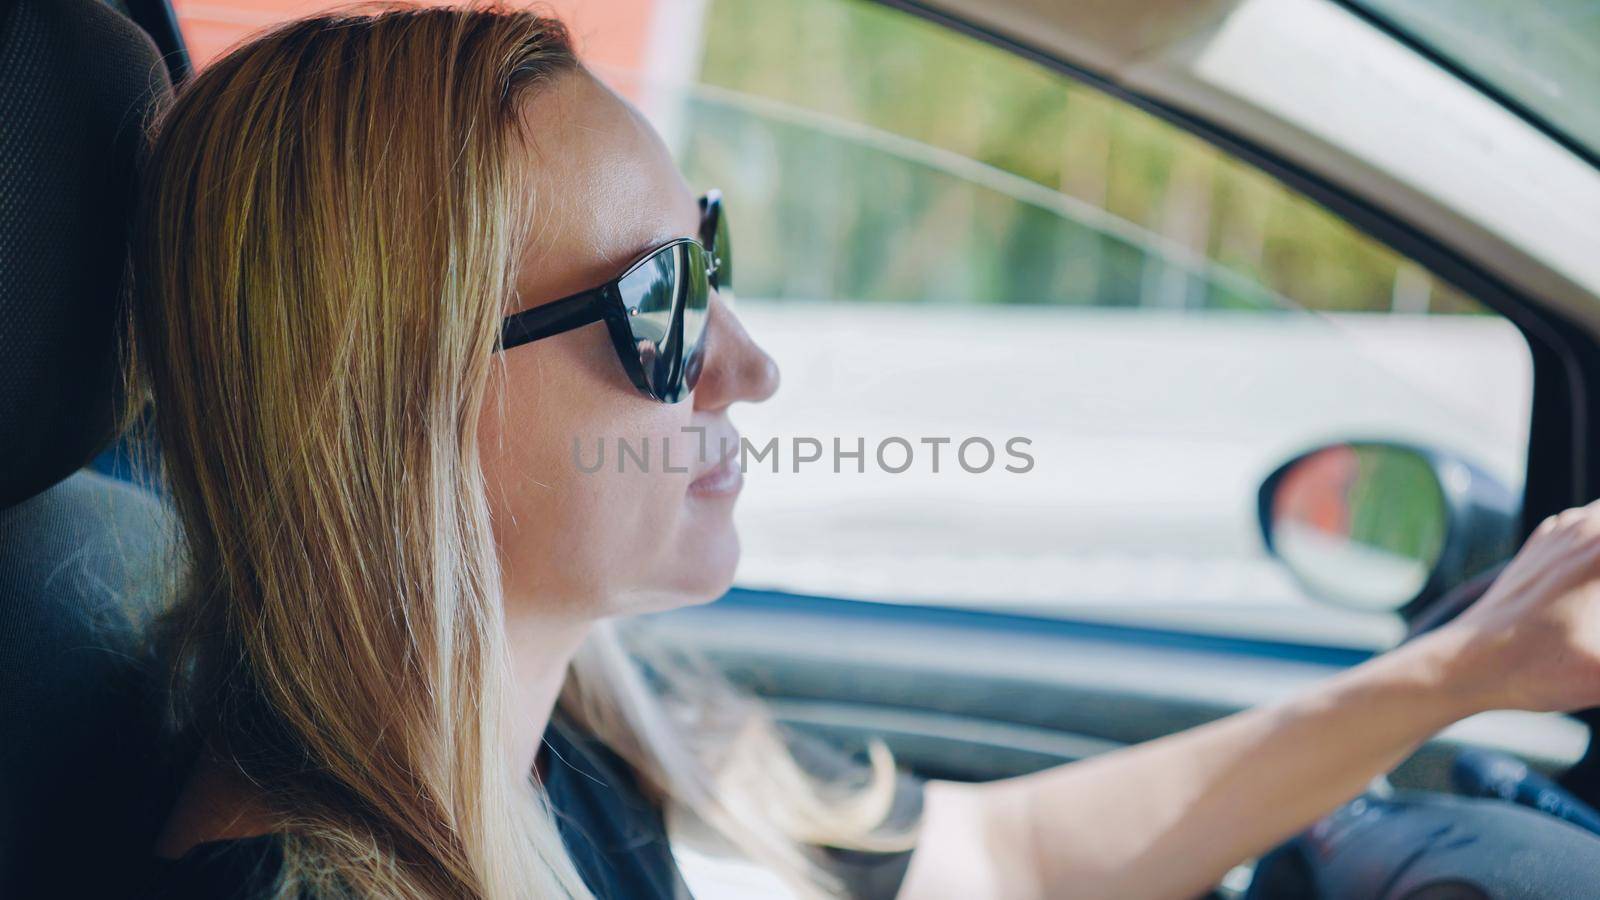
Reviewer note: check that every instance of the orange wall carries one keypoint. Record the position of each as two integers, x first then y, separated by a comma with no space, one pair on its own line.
611,34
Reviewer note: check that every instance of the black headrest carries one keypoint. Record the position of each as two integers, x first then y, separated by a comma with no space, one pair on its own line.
77,81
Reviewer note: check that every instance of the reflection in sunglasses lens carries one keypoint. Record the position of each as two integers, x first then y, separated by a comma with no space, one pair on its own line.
666,297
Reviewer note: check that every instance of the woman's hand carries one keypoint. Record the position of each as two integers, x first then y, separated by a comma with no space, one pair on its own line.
1533,640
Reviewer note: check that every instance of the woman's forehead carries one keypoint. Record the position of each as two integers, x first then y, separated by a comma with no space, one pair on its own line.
605,188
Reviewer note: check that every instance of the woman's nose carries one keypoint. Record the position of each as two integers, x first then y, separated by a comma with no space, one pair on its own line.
734,368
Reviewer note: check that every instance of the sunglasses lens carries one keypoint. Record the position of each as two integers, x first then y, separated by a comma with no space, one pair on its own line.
666,298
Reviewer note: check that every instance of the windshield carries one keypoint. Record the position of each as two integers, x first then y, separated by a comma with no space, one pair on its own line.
1543,55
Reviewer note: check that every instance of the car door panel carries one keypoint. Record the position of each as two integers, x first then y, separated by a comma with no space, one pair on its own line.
980,695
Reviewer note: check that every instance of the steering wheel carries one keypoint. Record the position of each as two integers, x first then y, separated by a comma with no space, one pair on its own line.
1509,832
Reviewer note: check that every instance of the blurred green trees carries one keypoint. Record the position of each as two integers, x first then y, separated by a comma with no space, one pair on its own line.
871,156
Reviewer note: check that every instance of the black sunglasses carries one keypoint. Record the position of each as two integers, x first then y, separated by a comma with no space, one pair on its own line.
655,310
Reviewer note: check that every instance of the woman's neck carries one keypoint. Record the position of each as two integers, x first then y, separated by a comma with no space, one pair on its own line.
541,649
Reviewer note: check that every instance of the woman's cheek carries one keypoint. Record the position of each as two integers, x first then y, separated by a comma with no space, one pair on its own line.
579,519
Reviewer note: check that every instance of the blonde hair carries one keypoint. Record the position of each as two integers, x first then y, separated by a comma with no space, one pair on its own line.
327,243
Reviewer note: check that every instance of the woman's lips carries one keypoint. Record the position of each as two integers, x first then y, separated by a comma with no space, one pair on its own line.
722,480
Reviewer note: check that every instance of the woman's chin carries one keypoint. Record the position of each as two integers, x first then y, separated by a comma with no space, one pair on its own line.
713,575
710,555
702,573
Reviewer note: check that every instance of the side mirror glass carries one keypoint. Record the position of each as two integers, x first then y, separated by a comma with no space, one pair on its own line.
1384,527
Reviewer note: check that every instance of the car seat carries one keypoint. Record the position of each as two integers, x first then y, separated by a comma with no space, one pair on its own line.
84,783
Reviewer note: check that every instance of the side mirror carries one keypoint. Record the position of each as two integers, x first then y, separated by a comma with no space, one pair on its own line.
1385,527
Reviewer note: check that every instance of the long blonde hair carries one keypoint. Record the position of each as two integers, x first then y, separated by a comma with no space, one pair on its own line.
323,255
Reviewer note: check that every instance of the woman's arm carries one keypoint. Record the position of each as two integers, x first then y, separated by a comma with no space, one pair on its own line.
1168,818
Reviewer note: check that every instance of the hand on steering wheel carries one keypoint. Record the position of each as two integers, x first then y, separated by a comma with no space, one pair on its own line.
1532,641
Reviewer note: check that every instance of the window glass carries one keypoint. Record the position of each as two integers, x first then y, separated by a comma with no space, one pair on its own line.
943,244
938,239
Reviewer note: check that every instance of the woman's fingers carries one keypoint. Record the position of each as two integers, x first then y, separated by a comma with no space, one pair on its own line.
1534,630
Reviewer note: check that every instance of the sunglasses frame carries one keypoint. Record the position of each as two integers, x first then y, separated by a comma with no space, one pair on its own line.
604,303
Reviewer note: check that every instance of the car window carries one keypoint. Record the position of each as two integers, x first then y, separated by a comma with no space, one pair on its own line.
949,248
938,239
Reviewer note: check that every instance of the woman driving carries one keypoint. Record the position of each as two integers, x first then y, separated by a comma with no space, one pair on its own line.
392,267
